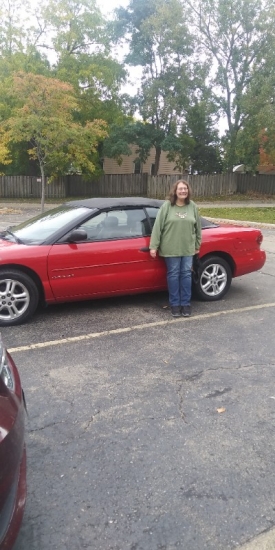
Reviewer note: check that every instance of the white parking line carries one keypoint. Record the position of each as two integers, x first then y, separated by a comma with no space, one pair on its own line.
136,327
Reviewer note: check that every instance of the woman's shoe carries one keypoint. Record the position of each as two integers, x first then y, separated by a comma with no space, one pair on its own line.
186,311
176,311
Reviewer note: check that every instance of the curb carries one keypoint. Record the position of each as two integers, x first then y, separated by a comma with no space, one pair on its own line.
243,223
264,541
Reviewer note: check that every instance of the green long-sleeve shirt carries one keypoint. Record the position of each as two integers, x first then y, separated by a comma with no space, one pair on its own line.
177,230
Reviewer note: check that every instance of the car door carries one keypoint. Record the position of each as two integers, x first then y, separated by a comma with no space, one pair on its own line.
114,259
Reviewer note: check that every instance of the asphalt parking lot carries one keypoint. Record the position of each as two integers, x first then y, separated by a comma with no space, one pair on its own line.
147,432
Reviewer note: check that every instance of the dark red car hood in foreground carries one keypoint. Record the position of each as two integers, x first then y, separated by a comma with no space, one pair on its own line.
12,452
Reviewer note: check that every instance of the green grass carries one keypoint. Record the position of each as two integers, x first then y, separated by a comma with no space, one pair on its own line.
250,214
238,197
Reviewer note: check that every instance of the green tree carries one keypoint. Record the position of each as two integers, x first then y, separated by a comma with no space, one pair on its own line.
161,43
70,26
236,34
78,40
10,63
45,119
13,26
142,135
66,40
197,146
200,121
256,139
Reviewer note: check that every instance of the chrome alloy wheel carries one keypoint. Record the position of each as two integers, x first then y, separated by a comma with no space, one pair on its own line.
14,299
213,279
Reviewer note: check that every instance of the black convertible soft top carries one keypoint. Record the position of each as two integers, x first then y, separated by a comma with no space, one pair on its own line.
105,202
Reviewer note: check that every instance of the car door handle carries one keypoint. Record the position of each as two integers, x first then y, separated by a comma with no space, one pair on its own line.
144,249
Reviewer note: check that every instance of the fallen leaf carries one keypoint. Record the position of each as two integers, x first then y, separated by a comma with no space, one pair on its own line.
221,410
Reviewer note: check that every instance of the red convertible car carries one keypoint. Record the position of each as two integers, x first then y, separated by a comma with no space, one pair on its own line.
12,451
94,248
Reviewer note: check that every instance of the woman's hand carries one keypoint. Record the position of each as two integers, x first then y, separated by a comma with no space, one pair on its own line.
153,253
197,251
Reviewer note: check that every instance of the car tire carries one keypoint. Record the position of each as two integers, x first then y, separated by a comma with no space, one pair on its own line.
213,279
19,297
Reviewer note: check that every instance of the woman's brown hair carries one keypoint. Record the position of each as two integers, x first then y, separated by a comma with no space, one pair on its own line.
172,197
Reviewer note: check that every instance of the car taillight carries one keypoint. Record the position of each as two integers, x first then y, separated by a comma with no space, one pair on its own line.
259,239
5,371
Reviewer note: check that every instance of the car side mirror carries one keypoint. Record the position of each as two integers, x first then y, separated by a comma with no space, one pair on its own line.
77,235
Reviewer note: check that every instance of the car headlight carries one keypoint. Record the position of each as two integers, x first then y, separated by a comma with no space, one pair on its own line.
5,370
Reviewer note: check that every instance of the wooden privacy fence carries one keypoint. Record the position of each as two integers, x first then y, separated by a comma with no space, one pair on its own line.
119,185
257,184
28,187
202,186
74,186
113,185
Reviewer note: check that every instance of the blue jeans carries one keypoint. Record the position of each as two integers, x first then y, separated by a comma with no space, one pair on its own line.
179,280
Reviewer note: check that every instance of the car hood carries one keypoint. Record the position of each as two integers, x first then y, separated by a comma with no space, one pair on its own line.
6,245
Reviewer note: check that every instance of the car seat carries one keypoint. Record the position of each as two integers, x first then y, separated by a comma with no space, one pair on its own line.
134,223
109,228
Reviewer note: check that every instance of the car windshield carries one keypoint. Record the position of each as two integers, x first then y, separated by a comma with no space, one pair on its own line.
42,227
207,224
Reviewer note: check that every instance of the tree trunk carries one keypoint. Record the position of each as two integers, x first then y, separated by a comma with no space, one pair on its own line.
231,151
43,184
157,160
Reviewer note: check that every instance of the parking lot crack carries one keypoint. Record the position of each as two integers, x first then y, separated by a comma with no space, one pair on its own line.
268,274
193,377
217,393
181,402
50,425
238,367
89,422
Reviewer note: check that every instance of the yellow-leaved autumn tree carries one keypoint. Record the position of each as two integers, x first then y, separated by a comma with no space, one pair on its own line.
4,153
45,116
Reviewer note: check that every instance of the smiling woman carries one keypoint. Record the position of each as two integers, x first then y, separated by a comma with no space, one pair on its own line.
176,237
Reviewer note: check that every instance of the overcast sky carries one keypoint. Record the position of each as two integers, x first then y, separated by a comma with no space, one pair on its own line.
107,6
